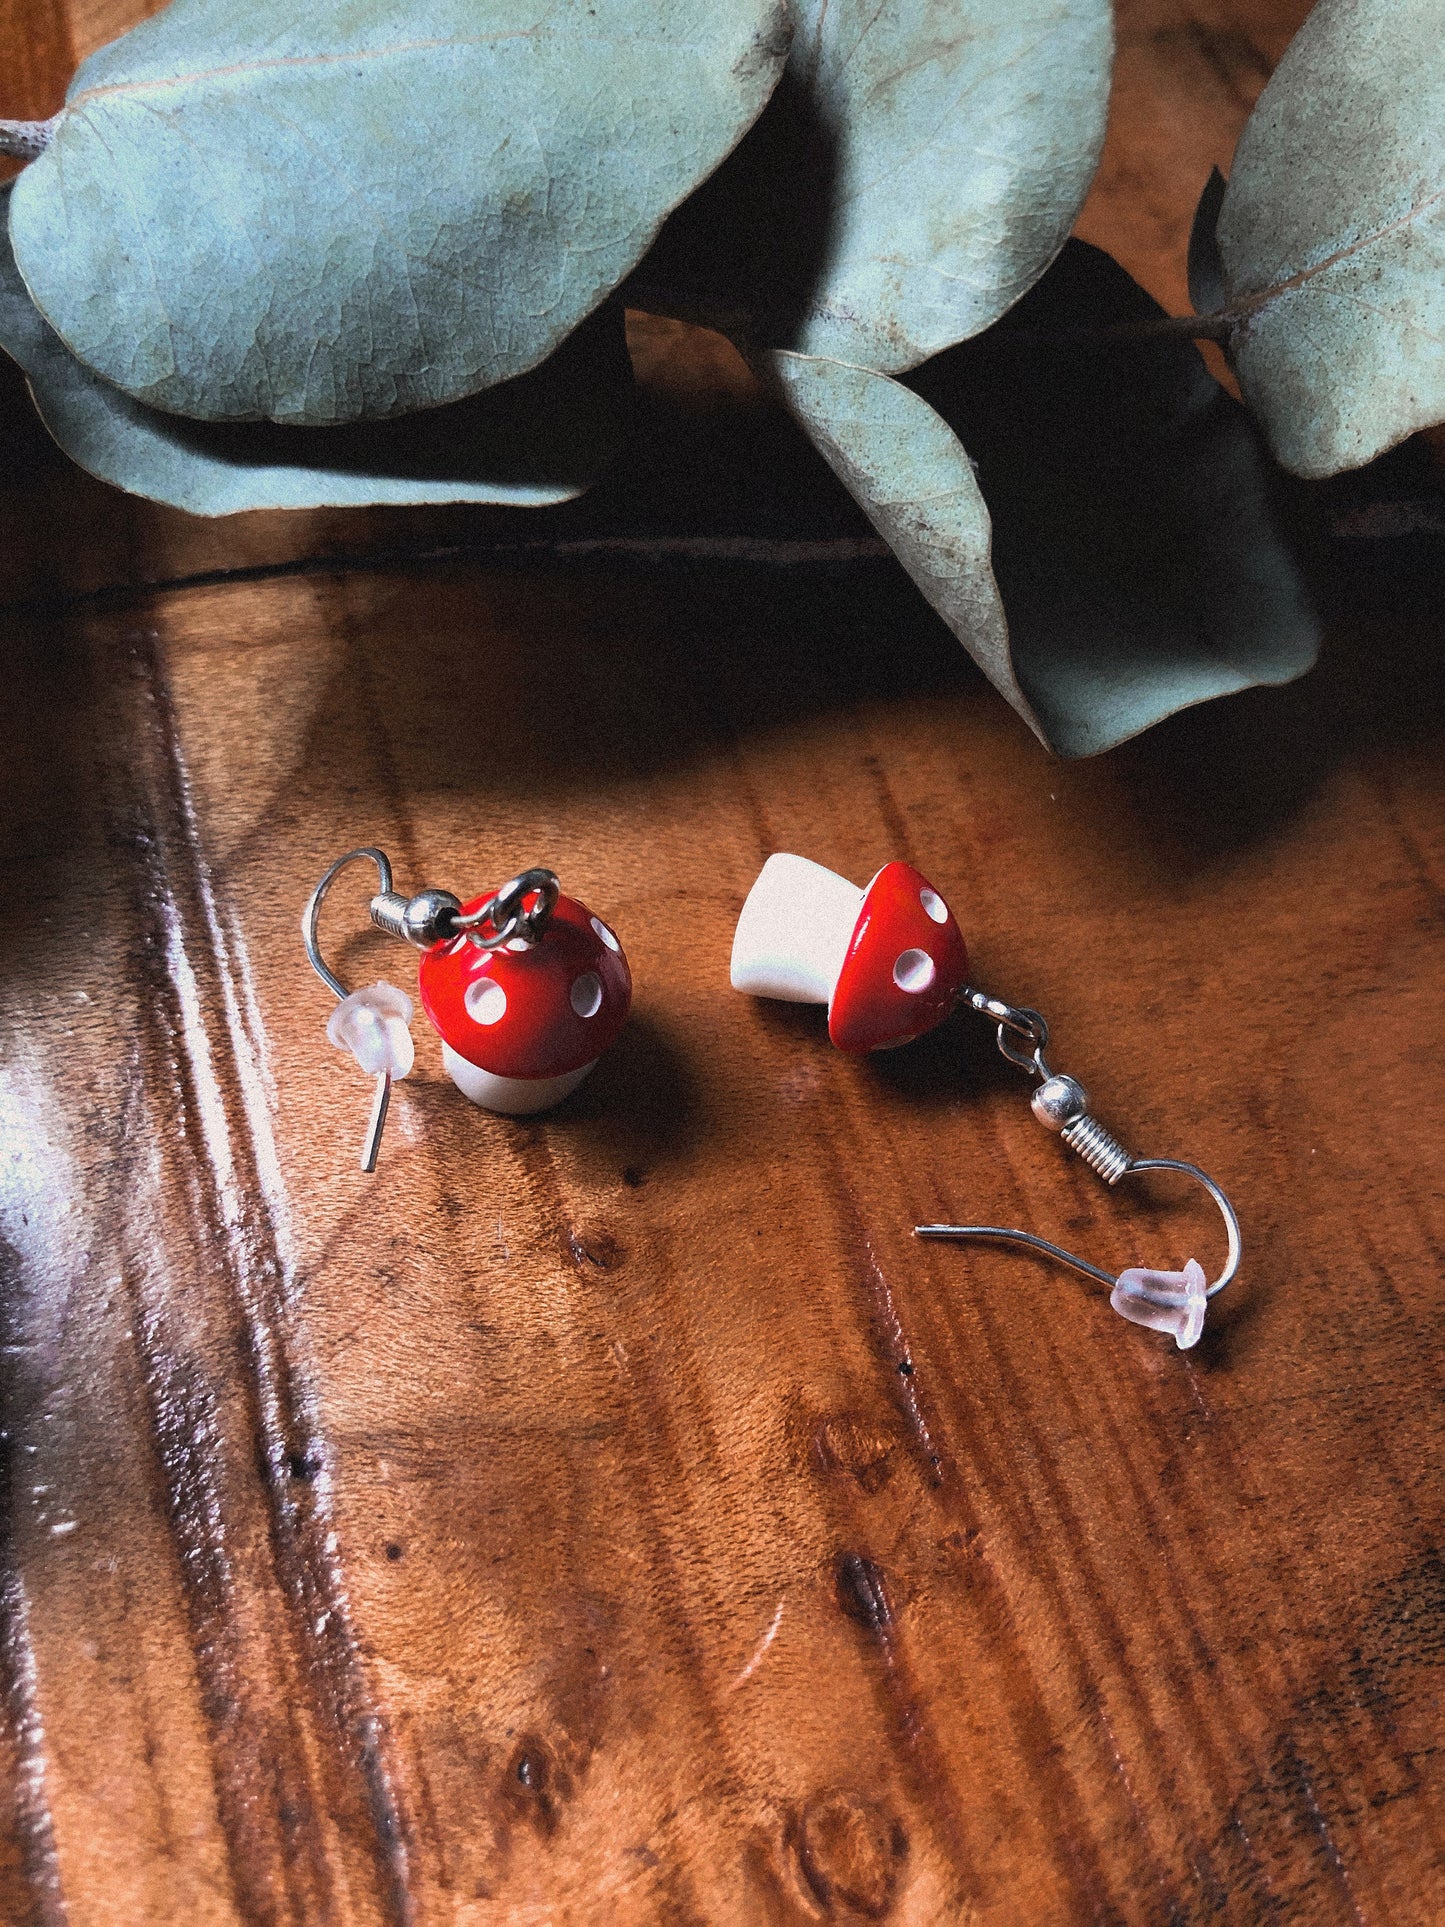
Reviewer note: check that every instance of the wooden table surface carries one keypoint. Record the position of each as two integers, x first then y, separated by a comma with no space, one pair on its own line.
619,1517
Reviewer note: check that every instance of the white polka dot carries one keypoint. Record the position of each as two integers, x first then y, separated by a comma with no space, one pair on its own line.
606,935
587,994
914,971
935,906
519,944
486,1001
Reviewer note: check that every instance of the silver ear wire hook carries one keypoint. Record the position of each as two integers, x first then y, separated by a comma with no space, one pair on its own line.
1001,1234
1062,1105
310,919
311,915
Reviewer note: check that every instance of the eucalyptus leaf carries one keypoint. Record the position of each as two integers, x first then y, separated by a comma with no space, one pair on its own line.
342,210
538,439
912,476
1135,540
914,174
1127,522
1332,236
916,170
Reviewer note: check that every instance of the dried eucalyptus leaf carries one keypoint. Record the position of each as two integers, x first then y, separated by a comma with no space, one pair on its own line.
1332,236
1127,521
916,171
1134,539
912,477
541,438
343,211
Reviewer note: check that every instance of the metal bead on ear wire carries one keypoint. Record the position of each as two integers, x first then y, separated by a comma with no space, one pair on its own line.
525,987
890,962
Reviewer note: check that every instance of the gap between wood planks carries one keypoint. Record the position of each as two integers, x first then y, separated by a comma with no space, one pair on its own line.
750,551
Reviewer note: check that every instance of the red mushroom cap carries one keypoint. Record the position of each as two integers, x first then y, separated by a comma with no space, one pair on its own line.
540,1011
906,962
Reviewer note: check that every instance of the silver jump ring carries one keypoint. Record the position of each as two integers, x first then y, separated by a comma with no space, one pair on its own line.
504,916
1032,1028
1014,1021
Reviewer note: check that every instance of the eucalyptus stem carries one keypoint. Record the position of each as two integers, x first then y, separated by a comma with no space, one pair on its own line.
726,318
1164,327
24,140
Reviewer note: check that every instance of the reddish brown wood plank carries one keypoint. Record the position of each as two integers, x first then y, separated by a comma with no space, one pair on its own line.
40,54
619,1517
595,1397
181,1661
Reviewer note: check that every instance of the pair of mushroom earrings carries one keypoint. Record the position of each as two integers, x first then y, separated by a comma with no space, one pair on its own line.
527,988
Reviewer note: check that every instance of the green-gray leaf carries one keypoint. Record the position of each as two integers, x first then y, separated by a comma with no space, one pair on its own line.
1131,533
1134,538
342,210
966,138
1332,236
541,438
917,170
911,475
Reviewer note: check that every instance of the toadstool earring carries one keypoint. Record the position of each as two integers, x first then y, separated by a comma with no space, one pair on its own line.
525,987
890,963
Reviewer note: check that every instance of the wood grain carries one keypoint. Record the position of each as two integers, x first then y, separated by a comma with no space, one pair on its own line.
618,1516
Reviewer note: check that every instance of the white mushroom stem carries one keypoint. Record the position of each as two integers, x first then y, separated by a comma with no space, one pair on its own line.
512,1096
794,931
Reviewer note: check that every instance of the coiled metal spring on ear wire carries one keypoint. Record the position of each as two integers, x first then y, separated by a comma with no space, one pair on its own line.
1061,1104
